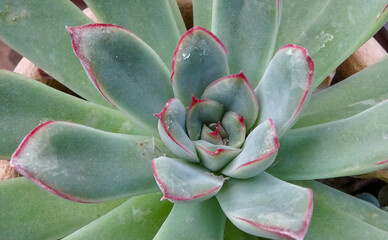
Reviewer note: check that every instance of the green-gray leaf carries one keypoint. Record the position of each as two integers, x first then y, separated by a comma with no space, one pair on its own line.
202,11
152,21
339,216
124,69
137,219
345,147
28,212
349,97
87,165
330,30
257,206
25,103
36,29
199,59
248,28
192,221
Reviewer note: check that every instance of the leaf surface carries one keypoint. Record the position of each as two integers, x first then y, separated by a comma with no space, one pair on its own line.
199,59
351,146
152,21
236,94
337,215
181,181
192,221
28,212
202,11
248,29
137,219
36,29
171,126
259,207
87,165
26,103
258,152
126,71
330,40
285,87
348,97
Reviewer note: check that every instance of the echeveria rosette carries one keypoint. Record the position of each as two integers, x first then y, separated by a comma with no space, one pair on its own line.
220,140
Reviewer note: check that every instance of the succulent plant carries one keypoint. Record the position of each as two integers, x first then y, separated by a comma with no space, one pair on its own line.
235,121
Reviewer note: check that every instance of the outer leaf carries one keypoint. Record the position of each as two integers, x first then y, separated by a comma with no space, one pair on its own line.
285,87
357,145
236,95
137,219
350,218
147,19
330,40
25,103
202,11
215,157
199,59
123,68
248,29
42,215
258,153
233,233
171,128
202,111
183,181
349,97
177,16
48,44
204,220
87,165
257,206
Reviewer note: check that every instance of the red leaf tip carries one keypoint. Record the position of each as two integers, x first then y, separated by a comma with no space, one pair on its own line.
195,100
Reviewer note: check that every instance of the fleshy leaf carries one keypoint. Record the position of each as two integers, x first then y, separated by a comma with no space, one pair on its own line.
171,128
235,127
48,45
215,157
192,221
202,111
357,145
348,97
152,21
233,233
138,218
248,28
236,95
258,153
100,166
258,207
350,218
28,212
330,40
25,103
181,181
124,69
211,136
285,87
202,13
199,59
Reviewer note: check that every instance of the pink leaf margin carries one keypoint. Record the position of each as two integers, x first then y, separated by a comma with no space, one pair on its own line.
310,63
161,115
273,151
183,38
15,164
76,34
168,195
283,232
